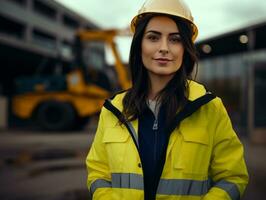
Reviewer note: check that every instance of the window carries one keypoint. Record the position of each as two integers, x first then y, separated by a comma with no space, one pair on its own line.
20,2
70,22
93,55
44,39
44,9
11,28
66,49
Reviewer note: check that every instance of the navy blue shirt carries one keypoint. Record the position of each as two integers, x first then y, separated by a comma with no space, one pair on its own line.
153,142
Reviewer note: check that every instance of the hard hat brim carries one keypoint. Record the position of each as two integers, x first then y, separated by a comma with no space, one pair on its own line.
136,18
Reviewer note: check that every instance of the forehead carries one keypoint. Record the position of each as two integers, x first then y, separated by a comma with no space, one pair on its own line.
162,24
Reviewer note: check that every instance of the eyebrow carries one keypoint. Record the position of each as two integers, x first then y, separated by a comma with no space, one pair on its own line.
159,33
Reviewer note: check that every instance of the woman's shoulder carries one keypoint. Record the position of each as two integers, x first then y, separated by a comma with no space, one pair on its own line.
197,90
116,100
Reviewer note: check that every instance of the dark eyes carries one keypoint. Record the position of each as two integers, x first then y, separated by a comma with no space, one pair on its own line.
171,38
153,38
175,39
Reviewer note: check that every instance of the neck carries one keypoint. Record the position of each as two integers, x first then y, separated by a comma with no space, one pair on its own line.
157,83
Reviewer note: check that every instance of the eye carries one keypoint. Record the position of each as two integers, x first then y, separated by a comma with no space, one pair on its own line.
175,39
152,37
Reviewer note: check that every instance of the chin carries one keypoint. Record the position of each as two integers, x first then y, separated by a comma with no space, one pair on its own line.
164,74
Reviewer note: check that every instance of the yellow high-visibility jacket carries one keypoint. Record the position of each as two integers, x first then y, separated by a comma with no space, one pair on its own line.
204,158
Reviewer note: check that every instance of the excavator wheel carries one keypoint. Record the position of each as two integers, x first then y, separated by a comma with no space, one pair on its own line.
55,116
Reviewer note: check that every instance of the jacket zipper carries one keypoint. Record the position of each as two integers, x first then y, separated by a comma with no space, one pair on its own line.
155,124
155,128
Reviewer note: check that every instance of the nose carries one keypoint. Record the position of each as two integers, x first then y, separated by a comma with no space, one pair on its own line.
164,49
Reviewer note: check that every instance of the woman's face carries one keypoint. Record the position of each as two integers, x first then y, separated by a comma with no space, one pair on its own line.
162,48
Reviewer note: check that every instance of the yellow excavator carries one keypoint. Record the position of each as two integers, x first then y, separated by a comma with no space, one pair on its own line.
65,101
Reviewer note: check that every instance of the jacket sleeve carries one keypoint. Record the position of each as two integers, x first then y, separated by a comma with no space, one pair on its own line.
228,171
99,177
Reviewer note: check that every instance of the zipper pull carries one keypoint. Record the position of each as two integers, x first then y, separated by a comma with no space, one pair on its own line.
155,125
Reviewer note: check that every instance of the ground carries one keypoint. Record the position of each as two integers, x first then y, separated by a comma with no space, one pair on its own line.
38,165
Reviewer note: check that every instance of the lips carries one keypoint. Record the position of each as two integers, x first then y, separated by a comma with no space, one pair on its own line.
162,61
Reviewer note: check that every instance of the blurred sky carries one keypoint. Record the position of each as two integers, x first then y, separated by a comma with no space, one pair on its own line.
213,17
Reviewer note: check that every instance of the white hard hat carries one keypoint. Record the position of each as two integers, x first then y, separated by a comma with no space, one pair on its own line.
176,8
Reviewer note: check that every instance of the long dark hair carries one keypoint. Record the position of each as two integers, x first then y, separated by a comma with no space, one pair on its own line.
174,96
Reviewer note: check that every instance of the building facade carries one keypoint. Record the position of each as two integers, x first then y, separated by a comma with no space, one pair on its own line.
32,30
233,66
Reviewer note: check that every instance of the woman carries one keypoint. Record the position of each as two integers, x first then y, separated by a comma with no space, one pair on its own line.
166,137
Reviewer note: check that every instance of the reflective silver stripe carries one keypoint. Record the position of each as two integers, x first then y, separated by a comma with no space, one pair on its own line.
127,180
182,187
133,133
100,183
166,186
230,188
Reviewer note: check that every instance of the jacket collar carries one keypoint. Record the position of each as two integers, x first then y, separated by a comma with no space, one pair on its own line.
196,90
197,98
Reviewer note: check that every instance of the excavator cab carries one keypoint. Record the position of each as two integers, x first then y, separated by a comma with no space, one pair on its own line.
90,58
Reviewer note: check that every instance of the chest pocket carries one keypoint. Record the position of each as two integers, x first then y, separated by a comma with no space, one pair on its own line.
115,141
194,152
